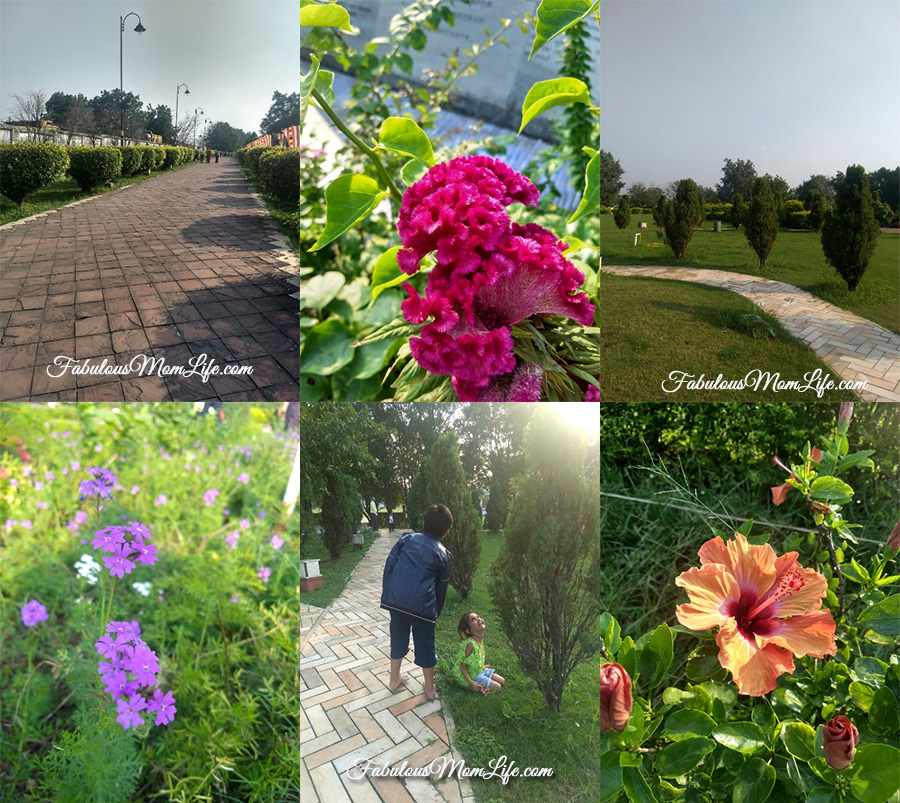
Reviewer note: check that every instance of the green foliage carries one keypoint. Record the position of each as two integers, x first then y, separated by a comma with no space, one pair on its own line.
542,583
761,225
737,177
91,167
148,160
172,156
546,95
815,205
28,166
417,502
341,511
557,16
610,178
581,122
738,211
850,229
131,159
681,216
622,215
279,173
497,508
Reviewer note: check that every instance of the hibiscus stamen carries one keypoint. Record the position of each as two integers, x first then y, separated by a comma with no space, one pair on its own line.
791,582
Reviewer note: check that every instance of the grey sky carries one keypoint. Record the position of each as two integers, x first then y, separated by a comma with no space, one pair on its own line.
797,86
232,54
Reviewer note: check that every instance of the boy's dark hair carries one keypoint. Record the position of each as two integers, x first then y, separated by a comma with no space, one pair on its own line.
438,520
464,625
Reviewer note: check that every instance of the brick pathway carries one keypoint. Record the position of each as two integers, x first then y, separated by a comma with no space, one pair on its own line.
348,713
856,349
187,263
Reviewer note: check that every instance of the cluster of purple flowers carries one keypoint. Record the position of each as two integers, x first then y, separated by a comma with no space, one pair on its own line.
130,666
101,485
490,275
33,613
128,544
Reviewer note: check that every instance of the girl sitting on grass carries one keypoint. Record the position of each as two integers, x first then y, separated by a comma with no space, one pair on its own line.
469,669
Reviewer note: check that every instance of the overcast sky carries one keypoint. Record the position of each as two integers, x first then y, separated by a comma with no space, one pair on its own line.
796,86
232,54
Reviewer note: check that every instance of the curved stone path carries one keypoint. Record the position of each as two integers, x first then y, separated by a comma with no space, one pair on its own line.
347,712
855,348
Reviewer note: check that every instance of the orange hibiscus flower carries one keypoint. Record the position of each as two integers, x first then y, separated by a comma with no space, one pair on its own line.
767,608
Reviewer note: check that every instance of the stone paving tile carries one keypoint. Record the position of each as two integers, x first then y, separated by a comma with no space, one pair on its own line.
186,257
838,337
349,715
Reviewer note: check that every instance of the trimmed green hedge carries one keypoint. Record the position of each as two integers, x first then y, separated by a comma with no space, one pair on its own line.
27,166
91,167
131,159
279,173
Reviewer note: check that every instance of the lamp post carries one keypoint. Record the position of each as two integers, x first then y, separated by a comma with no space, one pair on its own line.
139,29
196,112
177,91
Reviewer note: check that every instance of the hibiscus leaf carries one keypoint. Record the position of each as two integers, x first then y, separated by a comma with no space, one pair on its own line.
883,617
830,489
687,723
612,633
755,782
680,758
884,716
402,135
656,656
799,740
556,92
874,774
349,199
744,737
636,787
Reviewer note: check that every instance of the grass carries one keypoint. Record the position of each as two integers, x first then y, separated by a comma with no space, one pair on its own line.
65,192
516,722
796,258
335,572
651,327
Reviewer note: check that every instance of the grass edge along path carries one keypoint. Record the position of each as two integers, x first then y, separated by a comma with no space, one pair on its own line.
851,346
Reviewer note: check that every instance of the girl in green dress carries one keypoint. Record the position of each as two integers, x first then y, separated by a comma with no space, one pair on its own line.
469,669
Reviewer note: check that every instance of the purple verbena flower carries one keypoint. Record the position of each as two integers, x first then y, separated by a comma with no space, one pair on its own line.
244,478
210,497
128,711
101,485
161,500
277,541
33,613
264,574
120,564
164,705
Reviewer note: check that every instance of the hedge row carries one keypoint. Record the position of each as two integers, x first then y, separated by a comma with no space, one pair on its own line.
793,215
25,167
277,170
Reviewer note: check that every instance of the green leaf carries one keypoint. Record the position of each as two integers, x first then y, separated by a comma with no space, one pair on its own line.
387,273
610,782
823,794
745,737
883,617
369,358
612,633
799,740
858,458
755,782
884,716
636,787
349,199
412,171
317,292
325,87
327,16
830,489
703,663
313,387
875,773
556,16
307,82
680,758
327,348
556,92
862,695
591,198
627,759
628,657
687,723
403,135
383,309
726,693
656,657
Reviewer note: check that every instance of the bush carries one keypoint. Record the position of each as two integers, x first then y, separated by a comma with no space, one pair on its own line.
761,225
622,214
131,159
850,230
171,157
279,173
91,167
797,220
738,211
681,216
497,508
341,512
815,203
147,158
252,157
28,166
159,158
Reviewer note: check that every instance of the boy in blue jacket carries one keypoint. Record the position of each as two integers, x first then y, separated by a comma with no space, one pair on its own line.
414,587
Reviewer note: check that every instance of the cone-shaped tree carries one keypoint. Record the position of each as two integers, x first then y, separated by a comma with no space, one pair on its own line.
622,214
681,216
738,211
443,482
850,229
544,582
341,511
497,508
815,203
417,503
761,223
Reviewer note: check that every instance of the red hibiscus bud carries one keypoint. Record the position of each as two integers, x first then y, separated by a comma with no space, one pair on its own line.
615,697
846,412
894,538
839,740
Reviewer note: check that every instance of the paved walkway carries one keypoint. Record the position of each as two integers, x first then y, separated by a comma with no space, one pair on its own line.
347,712
856,349
187,263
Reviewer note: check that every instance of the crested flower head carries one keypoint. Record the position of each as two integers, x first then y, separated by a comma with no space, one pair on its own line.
490,275
768,609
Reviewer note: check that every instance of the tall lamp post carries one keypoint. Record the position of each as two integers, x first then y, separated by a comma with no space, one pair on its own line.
177,91
139,29
196,112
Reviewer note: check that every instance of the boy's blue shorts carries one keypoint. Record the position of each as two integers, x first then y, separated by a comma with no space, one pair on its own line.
423,638
484,677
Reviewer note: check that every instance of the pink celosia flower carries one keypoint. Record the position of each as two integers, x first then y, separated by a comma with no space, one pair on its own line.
593,394
491,274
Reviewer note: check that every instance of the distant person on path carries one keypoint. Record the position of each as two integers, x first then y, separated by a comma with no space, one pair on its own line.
208,154
217,157
414,587
390,523
469,669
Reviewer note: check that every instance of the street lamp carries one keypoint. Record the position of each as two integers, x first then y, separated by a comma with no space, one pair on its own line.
139,29
186,92
196,112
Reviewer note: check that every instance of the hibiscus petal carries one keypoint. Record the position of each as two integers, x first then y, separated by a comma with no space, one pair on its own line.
711,588
810,634
808,597
755,669
753,565
780,492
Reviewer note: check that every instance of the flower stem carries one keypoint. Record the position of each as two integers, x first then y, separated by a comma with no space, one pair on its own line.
382,172
835,566
225,643
109,607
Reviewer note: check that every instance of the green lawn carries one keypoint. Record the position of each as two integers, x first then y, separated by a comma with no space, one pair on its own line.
651,327
796,258
64,192
516,722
